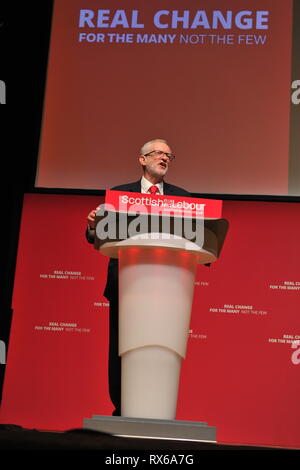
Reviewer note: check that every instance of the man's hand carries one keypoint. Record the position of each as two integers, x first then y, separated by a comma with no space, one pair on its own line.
91,217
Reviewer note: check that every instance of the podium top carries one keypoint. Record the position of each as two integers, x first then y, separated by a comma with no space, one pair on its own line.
135,219
157,241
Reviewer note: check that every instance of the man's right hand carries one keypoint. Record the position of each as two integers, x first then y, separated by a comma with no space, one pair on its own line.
91,218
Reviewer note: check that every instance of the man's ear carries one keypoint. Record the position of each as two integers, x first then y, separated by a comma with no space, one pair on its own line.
142,160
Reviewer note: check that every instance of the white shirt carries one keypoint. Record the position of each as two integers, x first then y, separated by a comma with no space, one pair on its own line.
145,185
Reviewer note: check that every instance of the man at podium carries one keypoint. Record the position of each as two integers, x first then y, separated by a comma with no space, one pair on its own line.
155,158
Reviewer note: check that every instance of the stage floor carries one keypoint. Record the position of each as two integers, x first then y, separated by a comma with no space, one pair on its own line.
14,437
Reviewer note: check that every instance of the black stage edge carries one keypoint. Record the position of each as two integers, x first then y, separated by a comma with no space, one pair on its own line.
17,438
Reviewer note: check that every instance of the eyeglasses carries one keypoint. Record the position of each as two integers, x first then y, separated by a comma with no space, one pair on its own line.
159,153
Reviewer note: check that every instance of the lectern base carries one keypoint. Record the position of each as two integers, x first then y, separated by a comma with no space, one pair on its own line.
152,428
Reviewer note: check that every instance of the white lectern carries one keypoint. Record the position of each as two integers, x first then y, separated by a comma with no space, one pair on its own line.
156,286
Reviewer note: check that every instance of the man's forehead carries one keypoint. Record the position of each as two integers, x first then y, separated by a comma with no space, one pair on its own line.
159,145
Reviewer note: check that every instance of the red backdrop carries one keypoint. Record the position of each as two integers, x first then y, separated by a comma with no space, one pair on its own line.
242,368
223,106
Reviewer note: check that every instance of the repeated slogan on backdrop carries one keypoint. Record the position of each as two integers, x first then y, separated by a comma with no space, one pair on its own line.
241,373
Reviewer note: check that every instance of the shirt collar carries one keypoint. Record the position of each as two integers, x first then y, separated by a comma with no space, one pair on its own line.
145,185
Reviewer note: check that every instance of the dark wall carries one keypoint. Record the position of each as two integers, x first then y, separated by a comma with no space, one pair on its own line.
24,40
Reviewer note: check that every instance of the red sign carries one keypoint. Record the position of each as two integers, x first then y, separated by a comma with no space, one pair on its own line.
163,205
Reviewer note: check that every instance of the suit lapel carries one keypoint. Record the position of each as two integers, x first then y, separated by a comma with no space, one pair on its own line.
135,187
168,189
